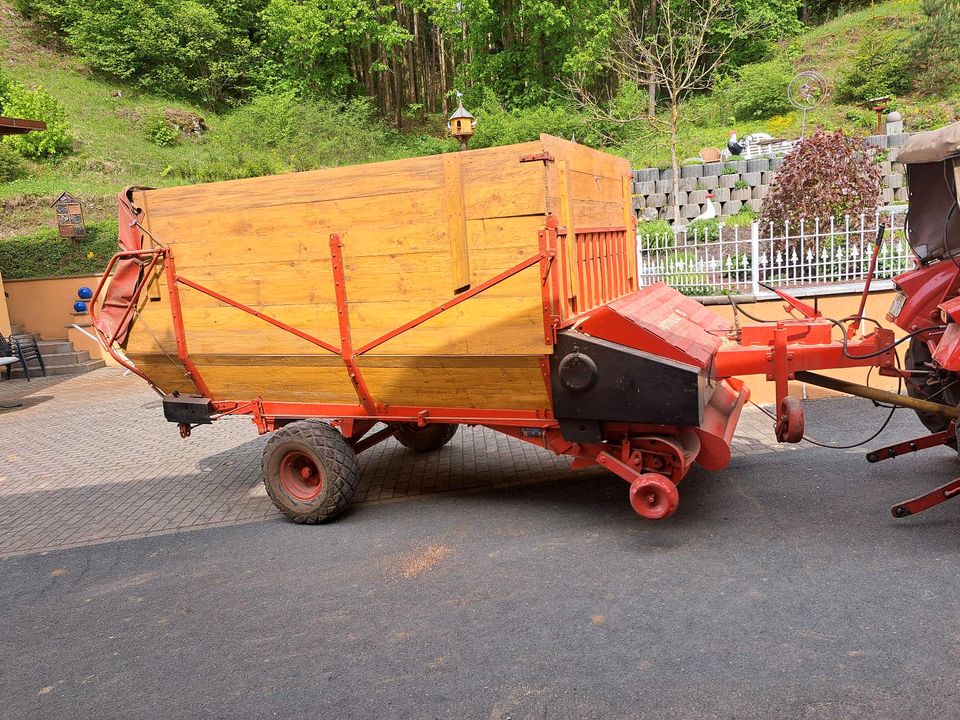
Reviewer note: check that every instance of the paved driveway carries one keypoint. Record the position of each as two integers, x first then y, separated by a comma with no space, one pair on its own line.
781,589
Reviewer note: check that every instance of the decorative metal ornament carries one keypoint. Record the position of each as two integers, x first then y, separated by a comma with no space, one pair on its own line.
807,90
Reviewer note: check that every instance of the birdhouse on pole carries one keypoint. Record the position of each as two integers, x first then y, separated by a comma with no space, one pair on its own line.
461,124
69,216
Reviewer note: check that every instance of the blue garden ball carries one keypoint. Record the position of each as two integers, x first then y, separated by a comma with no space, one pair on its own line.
85,293
79,306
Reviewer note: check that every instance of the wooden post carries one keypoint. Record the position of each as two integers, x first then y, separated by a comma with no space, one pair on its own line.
567,221
630,223
456,222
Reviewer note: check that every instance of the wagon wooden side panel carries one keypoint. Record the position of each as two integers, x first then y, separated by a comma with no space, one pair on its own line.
413,235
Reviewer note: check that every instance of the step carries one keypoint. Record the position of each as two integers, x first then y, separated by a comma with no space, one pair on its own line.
72,357
76,369
54,347
18,329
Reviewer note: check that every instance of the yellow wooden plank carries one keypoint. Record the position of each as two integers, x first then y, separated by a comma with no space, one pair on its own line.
481,388
279,383
586,186
583,159
413,175
568,220
163,372
630,222
456,222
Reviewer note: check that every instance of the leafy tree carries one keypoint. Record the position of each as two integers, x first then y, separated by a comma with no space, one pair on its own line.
675,47
828,175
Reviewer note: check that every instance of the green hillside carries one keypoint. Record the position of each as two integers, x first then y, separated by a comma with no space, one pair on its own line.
121,138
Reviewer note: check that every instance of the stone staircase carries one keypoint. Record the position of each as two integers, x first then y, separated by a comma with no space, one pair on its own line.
59,356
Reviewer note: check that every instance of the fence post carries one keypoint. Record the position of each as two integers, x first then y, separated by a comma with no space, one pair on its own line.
755,257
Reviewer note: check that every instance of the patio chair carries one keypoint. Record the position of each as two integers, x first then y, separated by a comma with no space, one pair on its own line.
27,349
9,356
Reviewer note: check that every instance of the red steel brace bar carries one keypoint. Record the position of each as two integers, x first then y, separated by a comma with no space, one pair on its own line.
947,437
256,313
927,501
179,332
346,343
495,280
392,413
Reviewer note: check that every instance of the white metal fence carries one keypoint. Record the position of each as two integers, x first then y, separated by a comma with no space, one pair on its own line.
714,259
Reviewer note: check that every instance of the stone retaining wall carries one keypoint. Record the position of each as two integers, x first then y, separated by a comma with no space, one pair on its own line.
653,188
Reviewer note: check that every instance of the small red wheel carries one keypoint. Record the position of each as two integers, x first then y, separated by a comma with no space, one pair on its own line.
790,420
654,496
301,476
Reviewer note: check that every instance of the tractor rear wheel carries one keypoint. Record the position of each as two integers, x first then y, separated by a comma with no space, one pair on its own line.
310,471
424,439
942,386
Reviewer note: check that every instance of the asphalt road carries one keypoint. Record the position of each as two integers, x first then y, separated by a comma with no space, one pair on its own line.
782,588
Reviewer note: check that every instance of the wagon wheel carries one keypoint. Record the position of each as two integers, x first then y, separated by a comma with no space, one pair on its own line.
423,439
654,496
310,471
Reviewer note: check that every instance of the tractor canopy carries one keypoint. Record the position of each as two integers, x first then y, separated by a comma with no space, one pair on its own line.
933,168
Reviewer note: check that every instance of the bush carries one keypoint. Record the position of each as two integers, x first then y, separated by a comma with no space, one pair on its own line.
281,132
160,132
828,175
12,166
186,48
882,67
5,86
46,254
936,50
760,91
498,126
38,105
924,116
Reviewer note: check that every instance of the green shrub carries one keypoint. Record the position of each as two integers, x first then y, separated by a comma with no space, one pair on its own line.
282,132
935,49
183,48
160,132
38,105
655,235
761,90
46,254
924,116
5,86
12,166
498,126
882,67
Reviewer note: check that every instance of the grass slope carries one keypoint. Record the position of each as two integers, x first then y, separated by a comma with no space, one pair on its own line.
113,149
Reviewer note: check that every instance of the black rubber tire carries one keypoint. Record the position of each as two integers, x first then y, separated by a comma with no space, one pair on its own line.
330,451
916,358
424,439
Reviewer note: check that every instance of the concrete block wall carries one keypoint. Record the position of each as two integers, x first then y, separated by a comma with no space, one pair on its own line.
738,183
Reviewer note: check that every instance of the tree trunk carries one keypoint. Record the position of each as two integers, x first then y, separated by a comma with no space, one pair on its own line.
674,159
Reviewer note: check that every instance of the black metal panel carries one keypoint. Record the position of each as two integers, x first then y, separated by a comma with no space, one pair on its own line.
188,409
594,379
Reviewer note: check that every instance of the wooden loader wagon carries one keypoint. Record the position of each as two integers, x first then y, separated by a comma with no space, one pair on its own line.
493,287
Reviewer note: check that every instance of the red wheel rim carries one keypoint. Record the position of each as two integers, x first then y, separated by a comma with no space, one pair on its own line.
301,476
654,496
